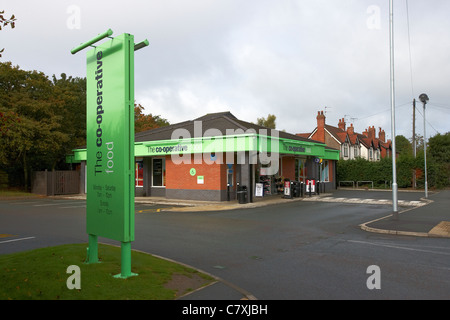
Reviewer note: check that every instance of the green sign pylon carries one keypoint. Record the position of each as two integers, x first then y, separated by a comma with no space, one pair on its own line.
110,143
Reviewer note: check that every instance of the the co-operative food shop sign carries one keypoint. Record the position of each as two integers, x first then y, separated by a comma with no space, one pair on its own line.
110,142
110,139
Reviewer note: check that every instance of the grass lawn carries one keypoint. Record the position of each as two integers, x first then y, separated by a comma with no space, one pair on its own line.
12,193
41,275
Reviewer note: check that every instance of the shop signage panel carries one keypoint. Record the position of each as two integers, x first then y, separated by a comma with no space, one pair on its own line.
110,139
295,148
311,183
287,188
259,189
199,145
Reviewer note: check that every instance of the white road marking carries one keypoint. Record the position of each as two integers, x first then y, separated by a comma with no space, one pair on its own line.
398,247
20,239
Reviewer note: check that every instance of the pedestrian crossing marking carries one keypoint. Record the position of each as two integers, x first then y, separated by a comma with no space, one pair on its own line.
365,201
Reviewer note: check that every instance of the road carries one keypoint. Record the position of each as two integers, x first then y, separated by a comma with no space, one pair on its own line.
297,250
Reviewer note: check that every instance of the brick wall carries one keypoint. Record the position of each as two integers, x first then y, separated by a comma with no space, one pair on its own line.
178,176
288,167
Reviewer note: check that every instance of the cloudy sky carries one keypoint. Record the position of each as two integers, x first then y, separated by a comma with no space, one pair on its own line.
290,58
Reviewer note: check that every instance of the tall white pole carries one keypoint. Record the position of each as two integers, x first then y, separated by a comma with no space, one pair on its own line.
424,98
394,167
425,149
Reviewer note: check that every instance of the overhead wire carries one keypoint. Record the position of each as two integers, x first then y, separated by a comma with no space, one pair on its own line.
439,105
383,111
418,110
410,64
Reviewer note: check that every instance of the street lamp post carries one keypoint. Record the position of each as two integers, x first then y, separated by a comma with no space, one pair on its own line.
424,98
394,167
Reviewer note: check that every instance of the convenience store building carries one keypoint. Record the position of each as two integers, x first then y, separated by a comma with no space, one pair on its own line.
214,156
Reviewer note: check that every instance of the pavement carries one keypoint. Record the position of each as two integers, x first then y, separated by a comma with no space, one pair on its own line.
432,219
417,216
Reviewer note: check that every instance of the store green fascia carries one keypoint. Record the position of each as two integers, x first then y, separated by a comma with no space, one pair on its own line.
229,143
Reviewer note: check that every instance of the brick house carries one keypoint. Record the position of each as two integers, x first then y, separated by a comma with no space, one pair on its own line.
350,143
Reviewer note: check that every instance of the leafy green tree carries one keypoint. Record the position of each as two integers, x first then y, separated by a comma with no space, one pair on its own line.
30,135
268,122
403,145
439,160
439,147
72,92
144,122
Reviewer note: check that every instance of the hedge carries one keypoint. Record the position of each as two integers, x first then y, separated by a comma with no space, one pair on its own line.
380,172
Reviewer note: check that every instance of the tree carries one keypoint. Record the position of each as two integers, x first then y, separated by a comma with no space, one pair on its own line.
403,146
439,161
144,122
269,122
31,135
72,92
439,147
4,22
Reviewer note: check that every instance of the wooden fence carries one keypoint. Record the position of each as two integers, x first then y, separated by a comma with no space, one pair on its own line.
52,183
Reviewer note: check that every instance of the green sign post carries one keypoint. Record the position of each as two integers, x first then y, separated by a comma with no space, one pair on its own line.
110,144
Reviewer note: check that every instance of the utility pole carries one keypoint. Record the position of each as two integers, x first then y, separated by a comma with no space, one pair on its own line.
414,140
394,166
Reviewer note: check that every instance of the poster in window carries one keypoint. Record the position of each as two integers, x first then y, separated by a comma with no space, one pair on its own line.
139,174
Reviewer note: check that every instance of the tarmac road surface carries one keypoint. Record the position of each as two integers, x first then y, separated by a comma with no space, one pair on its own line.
290,250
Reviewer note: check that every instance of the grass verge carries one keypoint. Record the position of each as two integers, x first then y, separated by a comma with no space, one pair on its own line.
41,275
11,193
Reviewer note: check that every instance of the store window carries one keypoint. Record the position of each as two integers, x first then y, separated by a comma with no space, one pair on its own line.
300,170
158,172
325,174
139,173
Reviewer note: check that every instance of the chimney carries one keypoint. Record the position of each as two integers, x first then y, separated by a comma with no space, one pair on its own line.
351,130
320,134
371,132
365,133
382,135
341,124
